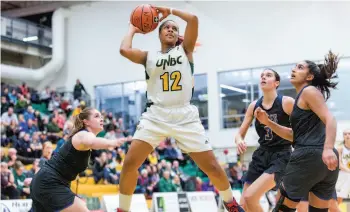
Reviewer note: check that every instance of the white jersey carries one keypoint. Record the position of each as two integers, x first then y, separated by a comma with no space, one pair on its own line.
345,157
169,77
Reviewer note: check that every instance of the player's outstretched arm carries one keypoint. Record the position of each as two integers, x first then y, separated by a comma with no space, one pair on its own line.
284,132
86,140
134,55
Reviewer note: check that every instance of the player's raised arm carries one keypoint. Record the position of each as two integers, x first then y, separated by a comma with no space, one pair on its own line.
135,55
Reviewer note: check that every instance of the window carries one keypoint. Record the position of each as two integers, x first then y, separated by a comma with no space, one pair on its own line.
200,97
109,98
236,93
134,95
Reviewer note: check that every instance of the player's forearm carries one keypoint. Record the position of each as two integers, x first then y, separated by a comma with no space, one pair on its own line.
331,131
284,132
127,41
239,138
186,16
102,143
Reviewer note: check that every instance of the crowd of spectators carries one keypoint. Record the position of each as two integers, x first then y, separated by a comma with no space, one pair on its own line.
35,125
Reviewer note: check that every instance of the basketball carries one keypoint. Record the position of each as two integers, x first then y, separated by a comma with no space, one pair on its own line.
145,17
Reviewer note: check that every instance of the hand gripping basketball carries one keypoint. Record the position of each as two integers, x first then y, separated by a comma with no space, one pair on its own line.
145,17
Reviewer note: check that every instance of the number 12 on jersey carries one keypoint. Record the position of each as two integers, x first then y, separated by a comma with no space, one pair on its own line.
175,77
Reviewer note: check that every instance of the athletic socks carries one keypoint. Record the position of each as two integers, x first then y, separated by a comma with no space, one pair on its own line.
125,202
226,195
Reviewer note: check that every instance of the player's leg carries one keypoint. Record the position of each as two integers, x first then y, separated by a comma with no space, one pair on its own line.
147,136
138,152
241,201
192,139
272,164
255,191
285,203
303,206
300,176
207,162
256,168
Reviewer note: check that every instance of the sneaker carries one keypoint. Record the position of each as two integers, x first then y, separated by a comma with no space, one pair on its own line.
232,206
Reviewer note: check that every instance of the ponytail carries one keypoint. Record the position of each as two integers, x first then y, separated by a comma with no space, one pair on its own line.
324,73
79,121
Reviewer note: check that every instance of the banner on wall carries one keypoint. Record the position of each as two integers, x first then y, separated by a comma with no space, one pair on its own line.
138,203
184,202
202,201
18,205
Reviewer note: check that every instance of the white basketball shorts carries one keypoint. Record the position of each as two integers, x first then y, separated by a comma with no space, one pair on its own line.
181,123
343,184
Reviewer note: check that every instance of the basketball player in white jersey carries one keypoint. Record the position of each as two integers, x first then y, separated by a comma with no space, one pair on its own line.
169,75
343,184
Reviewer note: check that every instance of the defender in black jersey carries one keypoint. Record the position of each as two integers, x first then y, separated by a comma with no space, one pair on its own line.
270,159
50,187
313,167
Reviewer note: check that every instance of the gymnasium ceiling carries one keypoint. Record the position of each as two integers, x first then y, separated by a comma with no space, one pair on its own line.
36,11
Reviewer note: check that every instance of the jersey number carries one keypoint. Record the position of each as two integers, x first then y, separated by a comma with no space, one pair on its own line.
175,76
268,135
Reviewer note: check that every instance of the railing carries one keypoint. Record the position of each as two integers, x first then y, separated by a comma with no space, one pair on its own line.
25,32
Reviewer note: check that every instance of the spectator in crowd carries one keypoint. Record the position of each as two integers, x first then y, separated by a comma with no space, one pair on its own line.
99,171
143,182
111,168
79,108
61,142
21,104
78,88
54,104
166,184
47,153
8,186
177,183
45,96
8,116
12,157
35,168
29,114
30,128
4,105
5,94
153,158
13,97
21,181
39,121
24,89
23,146
36,145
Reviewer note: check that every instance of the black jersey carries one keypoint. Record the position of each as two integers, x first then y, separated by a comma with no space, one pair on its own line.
68,161
276,113
307,127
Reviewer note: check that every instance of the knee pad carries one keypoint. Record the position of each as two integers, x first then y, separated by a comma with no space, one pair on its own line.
313,209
